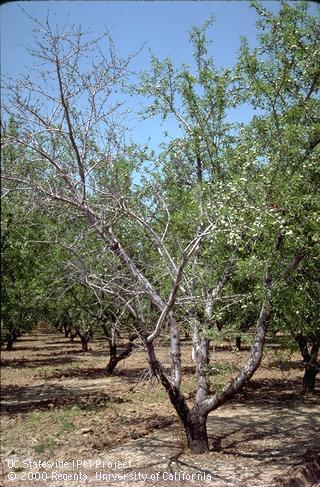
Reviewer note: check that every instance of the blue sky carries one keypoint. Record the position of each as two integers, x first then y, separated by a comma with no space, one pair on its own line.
161,26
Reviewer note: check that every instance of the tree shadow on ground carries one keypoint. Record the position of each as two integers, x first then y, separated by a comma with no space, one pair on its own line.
29,338
47,348
23,399
63,341
273,434
131,428
285,365
59,358
168,455
87,373
260,439
275,391
132,375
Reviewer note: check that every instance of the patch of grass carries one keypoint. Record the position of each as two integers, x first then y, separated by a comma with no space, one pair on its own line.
57,422
34,418
155,396
66,426
65,421
70,412
39,370
47,444
222,369
188,387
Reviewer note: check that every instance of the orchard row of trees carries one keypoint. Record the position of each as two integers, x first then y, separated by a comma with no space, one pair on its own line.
216,235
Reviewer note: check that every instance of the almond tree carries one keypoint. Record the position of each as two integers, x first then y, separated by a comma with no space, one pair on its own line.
281,78
71,129
23,251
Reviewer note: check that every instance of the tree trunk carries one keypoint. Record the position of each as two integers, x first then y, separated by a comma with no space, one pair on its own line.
310,360
72,337
66,330
196,432
111,366
10,341
309,379
194,421
175,351
200,344
114,359
84,342
84,337
238,343
12,336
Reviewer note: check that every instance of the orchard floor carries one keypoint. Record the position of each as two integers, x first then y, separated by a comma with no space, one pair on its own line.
58,406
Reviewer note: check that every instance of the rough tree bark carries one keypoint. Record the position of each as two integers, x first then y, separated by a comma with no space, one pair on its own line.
196,431
114,357
66,330
84,337
310,360
12,336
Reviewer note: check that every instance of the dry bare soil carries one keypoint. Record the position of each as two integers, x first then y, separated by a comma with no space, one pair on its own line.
58,406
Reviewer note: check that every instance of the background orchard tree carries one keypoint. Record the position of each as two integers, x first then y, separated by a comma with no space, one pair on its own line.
296,317
24,250
281,78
